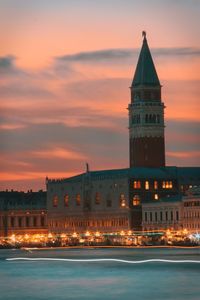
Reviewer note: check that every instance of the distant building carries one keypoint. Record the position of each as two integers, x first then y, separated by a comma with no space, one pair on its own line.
191,210
22,213
163,215
174,213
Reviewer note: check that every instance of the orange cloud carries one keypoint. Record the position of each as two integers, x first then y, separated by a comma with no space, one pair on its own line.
193,154
59,153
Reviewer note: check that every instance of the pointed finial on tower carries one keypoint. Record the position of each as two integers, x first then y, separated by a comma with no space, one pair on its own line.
144,34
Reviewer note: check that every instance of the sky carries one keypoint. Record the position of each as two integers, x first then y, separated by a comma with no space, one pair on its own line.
65,71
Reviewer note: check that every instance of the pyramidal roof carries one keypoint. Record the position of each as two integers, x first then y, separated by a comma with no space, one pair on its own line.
145,73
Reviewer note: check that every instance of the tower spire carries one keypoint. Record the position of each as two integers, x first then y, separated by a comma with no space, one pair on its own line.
145,73
144,34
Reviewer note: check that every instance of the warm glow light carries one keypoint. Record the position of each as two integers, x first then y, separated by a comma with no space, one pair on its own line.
74,235
87,233
185,231
63,235
97,233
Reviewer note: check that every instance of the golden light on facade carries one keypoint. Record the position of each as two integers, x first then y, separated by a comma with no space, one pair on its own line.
97,234
87,233
74,235
129,232
50,235
122,233
63,235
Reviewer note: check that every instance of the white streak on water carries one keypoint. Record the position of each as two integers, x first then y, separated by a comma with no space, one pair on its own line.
104,260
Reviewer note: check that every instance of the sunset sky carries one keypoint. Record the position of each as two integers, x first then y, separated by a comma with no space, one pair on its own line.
65,71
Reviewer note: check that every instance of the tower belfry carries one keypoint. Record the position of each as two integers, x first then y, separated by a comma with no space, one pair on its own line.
146,114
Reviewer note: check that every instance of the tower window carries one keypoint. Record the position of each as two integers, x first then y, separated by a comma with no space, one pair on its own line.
154,119
122,200
158,118
55,201
137,184
136,200
66,200
78,199
146,185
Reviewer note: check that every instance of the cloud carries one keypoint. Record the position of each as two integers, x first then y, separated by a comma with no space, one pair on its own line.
25,90
8,67
7,62
193,154
59,153
109,55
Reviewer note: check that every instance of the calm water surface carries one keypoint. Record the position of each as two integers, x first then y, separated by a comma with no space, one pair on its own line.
34,280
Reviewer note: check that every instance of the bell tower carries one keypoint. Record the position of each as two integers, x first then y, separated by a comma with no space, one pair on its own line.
146,114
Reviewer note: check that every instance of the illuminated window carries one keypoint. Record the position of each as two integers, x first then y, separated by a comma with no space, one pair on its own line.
163,184
167,184
97,198
156,196
66,200
137,184
136,200
146,185
55,201
155,185
78,199
122,200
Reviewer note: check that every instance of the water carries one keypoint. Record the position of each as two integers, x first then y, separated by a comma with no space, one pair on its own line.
37,280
